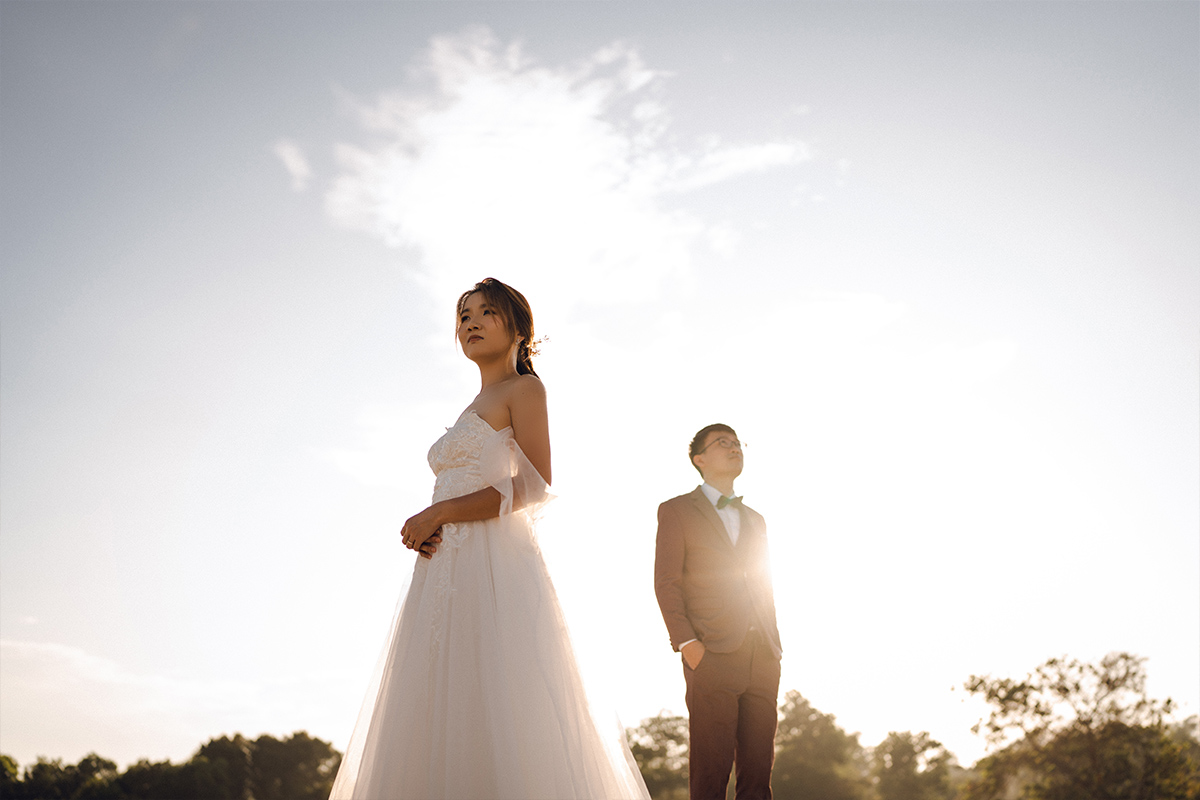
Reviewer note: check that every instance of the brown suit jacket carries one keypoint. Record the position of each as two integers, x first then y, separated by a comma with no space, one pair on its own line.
707,588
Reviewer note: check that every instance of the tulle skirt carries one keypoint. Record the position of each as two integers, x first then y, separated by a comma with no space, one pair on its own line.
478,694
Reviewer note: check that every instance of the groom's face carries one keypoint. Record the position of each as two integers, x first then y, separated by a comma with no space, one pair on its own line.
721,456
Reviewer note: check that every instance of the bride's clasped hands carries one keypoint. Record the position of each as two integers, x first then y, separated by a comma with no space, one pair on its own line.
423,532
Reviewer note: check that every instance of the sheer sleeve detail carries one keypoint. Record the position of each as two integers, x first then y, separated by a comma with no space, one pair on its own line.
505,468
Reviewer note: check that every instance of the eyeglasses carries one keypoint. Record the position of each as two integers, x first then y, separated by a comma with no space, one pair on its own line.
725,444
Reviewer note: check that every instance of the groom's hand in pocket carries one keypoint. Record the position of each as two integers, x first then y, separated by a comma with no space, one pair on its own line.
693,653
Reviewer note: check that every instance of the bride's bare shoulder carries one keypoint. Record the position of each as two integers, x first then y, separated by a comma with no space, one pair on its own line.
525,397
527,386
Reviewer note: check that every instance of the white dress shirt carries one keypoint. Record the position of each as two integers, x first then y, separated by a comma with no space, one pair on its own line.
729,514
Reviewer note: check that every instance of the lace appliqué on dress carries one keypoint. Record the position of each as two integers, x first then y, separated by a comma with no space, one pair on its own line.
454,459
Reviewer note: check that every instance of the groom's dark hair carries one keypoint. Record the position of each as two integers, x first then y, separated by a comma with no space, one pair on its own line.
698,440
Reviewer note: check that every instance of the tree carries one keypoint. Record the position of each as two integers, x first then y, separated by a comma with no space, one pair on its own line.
147,779
98,779
49,780
1076,731
297,768
1186,734
99,789
10,776
660,748
814,758
911,766
230,759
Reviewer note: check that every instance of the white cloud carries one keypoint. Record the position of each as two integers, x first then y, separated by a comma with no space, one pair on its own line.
535,173
294,162
49,688
720,163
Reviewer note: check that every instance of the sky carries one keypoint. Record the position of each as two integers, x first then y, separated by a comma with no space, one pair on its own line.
937,263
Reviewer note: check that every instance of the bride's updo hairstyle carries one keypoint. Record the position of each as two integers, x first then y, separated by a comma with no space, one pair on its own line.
518,317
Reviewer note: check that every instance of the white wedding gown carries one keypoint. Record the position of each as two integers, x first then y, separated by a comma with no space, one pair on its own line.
478,695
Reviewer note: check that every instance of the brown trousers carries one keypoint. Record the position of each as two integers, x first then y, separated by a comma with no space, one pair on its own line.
731,700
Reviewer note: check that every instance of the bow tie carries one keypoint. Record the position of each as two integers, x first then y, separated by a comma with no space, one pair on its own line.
723,501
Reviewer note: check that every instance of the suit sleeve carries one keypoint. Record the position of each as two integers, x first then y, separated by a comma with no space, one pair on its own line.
668,576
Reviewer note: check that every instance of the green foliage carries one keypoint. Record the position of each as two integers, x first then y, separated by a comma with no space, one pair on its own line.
1076,731
98,776
147,779
99,789
197,779
660,748
911,766
814,758
297,768
51,780
48,779
1186,735
10,775
231,762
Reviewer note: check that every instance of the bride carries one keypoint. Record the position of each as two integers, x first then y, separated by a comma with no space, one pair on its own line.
478,694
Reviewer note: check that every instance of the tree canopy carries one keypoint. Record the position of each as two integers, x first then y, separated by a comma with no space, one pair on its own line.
814,758
296,768
1071,730
660,748
912,766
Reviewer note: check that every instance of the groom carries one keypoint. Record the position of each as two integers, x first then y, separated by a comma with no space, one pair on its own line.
713,583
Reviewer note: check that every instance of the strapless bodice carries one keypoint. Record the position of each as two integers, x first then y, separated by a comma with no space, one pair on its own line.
454,458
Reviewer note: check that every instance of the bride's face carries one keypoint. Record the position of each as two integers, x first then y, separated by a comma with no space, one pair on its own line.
482,332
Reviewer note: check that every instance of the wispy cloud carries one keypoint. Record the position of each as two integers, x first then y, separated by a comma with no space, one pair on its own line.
501,164
49,687
721,163
294,162
39,667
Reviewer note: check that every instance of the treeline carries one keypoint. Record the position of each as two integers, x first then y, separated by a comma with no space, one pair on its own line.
296,768
1066,731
